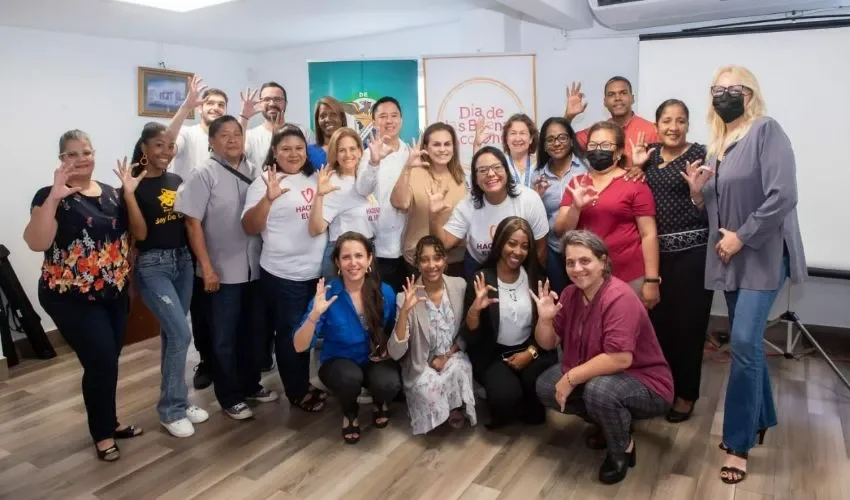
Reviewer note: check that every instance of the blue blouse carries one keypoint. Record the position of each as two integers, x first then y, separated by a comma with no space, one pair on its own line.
317,156
343,332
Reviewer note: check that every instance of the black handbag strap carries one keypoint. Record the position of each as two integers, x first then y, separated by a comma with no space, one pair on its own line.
235,172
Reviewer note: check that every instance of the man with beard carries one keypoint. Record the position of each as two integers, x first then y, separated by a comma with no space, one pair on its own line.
618,99
193,148
272,104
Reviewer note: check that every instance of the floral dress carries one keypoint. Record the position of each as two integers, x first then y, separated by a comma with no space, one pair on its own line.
432,396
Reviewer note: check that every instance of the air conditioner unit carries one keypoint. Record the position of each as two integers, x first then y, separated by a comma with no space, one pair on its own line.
636,14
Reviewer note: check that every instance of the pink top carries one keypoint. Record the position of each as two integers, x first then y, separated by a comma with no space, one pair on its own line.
614,321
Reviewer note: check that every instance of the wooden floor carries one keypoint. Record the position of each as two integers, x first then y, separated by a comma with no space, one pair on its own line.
285,454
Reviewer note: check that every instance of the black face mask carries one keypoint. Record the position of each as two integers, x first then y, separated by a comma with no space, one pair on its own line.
600,160
729,108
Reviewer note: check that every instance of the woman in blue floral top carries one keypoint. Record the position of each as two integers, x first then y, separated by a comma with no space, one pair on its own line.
81,226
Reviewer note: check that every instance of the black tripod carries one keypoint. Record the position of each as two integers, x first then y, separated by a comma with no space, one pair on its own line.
793,325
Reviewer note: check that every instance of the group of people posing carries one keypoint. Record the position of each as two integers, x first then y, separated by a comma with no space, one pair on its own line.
573,271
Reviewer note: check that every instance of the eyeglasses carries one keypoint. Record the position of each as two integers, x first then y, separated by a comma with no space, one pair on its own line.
268,100
562,138
732,90
484,169
604,146
76,155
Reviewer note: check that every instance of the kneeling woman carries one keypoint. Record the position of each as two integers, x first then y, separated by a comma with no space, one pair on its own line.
436,372
499,325
612,368
353,314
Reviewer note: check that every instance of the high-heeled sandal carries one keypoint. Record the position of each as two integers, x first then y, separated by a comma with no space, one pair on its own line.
381,414
760,435
734,475
350,430
128,432
110,454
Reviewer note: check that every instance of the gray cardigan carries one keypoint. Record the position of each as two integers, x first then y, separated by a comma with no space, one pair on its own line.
413,353
754,193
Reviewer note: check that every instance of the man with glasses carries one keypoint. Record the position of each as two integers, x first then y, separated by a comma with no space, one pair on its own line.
619,100
272,104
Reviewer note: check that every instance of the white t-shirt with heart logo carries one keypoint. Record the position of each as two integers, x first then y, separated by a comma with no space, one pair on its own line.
478,225
345,210
289,252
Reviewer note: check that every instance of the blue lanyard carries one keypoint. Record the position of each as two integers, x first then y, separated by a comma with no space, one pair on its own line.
515,172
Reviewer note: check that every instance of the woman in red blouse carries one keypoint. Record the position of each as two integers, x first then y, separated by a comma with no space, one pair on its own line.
620,211
612,369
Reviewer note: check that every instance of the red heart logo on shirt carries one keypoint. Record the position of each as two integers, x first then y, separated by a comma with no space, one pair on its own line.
308,194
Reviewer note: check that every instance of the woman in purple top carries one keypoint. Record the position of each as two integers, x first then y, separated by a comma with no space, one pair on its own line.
612,368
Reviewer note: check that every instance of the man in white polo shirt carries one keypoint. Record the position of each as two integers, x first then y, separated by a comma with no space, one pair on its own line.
193,149
379,170
272,104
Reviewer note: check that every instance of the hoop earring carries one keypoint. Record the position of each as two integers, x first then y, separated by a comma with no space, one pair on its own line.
144,161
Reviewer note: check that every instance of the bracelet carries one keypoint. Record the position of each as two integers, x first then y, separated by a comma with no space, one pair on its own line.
568,379
695,202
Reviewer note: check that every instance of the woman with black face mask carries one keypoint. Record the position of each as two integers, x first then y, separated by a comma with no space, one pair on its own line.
619,211
748,189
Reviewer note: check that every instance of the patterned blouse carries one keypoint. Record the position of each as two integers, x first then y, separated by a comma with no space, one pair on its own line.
680,225
88,258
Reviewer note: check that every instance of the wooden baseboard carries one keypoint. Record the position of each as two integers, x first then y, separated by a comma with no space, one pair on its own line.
4,369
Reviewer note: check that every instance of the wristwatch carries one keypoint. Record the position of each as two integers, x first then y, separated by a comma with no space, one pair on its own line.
533,351
652,280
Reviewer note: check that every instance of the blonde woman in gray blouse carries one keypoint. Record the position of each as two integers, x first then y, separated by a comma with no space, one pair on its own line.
437,374
749,191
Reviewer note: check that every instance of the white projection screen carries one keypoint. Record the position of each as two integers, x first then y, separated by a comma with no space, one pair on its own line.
804,75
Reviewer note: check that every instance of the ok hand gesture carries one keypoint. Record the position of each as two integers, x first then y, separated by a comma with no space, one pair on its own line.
546,300
411,297
696,175
482,290
61,176
125,174
583,195
576,104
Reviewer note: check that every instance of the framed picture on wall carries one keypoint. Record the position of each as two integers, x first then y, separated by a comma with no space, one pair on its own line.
162,91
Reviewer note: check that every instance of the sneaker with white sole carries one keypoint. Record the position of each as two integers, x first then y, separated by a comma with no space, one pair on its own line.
239,411
181,428
197,415
264,396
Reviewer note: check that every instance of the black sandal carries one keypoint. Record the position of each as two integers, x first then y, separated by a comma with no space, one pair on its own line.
351,429
381,414
110,454
728,474
312,404
128,432
320,394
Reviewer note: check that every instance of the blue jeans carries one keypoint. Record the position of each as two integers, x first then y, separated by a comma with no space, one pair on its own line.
165,279
749,399
289,301
236,324
556,270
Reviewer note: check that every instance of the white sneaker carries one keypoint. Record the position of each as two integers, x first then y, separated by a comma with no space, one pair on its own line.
179,428
196,414
239,411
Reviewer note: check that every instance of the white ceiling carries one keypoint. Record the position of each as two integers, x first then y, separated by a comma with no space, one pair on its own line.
240,25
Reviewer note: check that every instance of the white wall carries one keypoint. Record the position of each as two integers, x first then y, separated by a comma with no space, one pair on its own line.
54,82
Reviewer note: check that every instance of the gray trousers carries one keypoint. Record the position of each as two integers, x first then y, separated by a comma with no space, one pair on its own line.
609,401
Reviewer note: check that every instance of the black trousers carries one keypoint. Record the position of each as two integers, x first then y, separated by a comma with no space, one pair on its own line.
511,394
95,331
392,271
681,318
200,319
345,378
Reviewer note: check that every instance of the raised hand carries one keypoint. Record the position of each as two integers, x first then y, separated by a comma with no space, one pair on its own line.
583,195
640,154
379,148
576,104
251,105
61,175
436,197
546,300
125,174
320,302
482,289
417,156
481,133
696,175
541,184
196,90
325,185
411,297
273,188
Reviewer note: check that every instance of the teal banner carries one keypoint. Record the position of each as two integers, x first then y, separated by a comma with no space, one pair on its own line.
358,84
